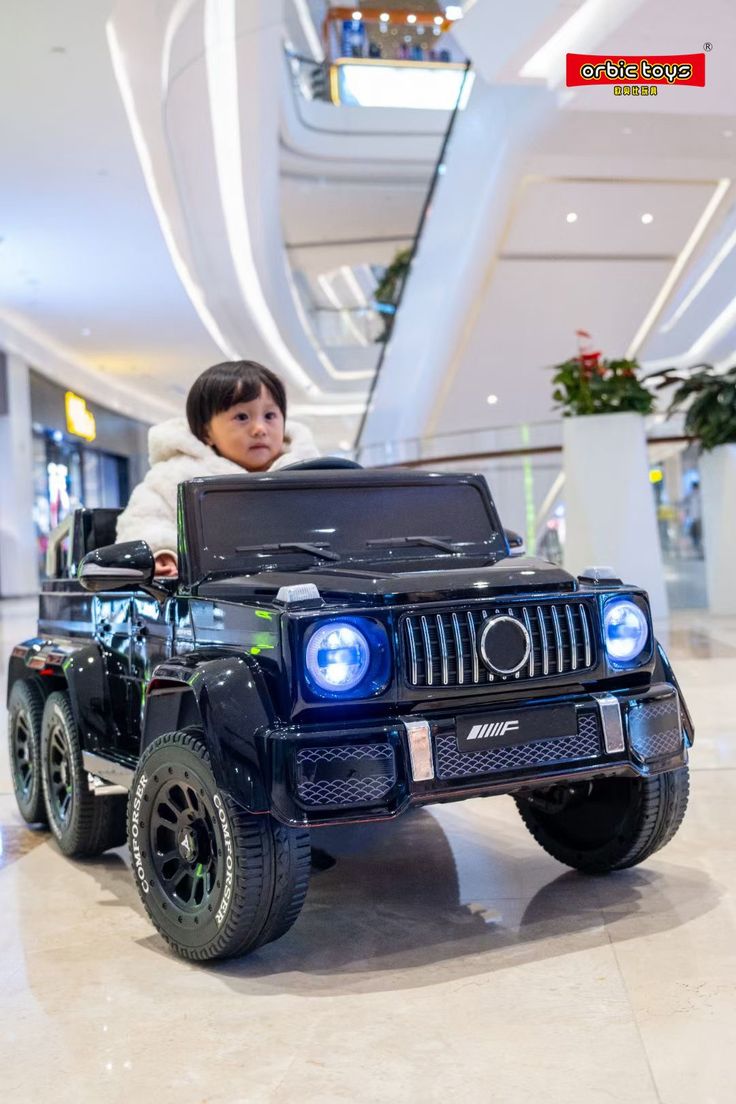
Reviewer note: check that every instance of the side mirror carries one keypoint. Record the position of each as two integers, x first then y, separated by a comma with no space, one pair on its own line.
118,567
516,542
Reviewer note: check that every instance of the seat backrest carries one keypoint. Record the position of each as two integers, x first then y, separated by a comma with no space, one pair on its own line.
81,532
98,527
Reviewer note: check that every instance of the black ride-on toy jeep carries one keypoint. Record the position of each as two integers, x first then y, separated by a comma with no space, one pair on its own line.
340,645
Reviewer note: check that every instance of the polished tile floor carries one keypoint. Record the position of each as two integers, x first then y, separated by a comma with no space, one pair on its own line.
442,958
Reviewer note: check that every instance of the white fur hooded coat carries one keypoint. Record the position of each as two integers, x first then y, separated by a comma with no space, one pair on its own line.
176,455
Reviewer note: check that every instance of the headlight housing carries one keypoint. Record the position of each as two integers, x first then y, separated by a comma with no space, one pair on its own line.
625,630
347,658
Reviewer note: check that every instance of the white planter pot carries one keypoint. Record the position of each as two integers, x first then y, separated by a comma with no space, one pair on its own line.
610,517
718,495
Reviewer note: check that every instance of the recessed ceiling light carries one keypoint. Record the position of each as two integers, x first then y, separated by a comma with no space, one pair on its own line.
571,216
728,134
626,130
439,20
492,400
646,218
86,332
411,19
384,17
357,15
345,446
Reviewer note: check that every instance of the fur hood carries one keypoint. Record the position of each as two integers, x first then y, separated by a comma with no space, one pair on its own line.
176,455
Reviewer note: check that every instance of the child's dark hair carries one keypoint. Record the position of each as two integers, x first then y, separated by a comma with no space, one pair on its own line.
223,385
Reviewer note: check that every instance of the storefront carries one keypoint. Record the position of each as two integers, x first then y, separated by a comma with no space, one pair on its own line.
83,455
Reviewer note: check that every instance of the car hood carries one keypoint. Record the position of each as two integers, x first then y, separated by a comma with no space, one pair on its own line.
344,585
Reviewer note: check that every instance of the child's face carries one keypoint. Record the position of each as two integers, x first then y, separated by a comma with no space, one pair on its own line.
250,433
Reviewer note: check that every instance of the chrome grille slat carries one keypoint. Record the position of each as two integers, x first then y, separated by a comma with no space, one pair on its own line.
573,638
489,674
412,651
458,649
444,658
586,634
543,638
441,648
528,626
427,651
558,639
473,647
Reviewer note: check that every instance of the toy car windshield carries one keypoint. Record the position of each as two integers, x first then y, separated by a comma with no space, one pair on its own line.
254,522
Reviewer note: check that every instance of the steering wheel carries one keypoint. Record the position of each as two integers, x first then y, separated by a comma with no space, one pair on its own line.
322,462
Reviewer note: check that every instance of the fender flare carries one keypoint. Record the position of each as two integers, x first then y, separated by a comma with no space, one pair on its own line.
77,668
227,697
663,673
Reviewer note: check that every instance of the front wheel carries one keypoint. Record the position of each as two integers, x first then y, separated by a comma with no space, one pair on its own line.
216,881
607,824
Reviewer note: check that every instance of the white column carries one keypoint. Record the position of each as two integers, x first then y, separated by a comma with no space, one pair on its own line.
18,555
718,492
609,506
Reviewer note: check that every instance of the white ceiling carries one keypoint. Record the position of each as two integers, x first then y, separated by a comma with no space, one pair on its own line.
82,249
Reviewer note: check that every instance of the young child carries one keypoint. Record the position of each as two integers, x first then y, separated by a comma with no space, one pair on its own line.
236,422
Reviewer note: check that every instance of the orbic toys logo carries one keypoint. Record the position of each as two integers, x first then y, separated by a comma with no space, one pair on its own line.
636,76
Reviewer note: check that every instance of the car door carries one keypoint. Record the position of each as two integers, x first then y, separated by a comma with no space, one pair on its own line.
150,645
112,616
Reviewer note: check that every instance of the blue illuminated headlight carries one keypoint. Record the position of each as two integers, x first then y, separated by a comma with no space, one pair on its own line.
625,629
338,656
347,657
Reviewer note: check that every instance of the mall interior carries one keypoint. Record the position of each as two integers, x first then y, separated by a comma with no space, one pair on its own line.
476,263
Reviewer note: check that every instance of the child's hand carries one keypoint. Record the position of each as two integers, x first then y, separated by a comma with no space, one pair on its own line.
166,565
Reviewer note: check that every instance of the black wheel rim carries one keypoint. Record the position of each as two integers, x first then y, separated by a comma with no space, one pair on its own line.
185,852
61,779
24,766
588,816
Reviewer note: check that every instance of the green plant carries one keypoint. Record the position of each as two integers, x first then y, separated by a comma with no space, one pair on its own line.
388,289
389,286
590,384
709,400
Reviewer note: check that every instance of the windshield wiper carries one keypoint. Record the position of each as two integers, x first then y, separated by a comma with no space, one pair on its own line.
319,550
444,545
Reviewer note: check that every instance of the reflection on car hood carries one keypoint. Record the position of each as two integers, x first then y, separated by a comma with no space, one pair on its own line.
346,585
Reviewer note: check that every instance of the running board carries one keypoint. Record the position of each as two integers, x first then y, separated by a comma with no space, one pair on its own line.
119,777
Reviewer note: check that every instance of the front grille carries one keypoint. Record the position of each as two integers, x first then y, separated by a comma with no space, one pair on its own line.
583,744
441,649
348,774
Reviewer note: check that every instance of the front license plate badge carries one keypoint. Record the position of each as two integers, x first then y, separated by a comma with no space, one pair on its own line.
518,726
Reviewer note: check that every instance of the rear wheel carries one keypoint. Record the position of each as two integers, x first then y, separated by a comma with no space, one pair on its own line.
607,824
25,713
84,823
215,880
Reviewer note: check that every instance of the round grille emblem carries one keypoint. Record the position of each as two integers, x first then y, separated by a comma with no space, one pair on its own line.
504,645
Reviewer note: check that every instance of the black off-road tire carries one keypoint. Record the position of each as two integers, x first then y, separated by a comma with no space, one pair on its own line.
25,712
83,823
608,824
215,880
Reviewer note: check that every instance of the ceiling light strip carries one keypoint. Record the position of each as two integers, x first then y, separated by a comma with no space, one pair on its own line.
698,286
678,267
222,85
191,287
310,31
330,293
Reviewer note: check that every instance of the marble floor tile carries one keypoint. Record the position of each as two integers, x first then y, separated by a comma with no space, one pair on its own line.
444,958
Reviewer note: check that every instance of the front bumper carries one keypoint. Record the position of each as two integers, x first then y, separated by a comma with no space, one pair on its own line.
377,771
